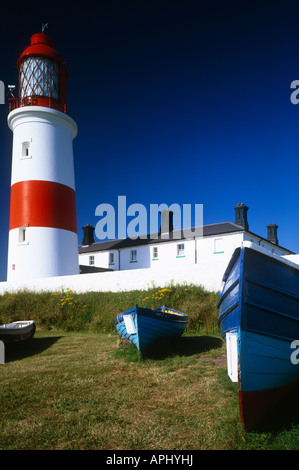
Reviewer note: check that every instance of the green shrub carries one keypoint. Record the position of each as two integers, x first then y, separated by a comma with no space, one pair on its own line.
95,311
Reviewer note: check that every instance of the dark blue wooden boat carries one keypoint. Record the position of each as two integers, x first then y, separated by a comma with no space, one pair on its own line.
145,327
259,320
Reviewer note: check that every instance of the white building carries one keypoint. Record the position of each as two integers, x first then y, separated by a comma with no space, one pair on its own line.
207,255
123,265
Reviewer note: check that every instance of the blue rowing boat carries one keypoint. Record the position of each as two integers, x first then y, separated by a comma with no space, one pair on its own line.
145,327
259,320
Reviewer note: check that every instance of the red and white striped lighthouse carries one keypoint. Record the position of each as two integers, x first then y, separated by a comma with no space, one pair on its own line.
43,239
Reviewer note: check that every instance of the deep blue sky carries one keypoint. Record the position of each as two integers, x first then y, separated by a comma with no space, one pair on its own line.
176,102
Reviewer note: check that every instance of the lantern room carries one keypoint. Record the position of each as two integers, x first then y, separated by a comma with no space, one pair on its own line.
42,75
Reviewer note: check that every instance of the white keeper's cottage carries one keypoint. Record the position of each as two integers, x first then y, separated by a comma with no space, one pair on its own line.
173,252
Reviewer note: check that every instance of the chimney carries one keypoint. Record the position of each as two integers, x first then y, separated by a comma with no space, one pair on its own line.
272,233
166,221
241,216
88,235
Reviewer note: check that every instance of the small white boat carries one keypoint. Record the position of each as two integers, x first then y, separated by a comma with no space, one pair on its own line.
17,331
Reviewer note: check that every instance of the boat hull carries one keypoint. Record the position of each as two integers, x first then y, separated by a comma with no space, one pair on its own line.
148,327
17,331
259,308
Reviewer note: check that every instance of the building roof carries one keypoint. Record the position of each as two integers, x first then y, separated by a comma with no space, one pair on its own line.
175,235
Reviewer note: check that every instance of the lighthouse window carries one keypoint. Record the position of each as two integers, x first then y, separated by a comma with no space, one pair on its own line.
91,260
39,77
22,235
25,149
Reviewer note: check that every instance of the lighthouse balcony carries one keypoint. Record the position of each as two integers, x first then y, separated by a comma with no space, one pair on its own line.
44,101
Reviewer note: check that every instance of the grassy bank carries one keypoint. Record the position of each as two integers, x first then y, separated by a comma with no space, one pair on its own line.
95,311
69,390
73,386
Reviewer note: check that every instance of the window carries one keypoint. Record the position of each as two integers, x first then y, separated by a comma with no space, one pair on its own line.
218,246
180,249
91,260
111,258
26,150
133,256
22,235
155,252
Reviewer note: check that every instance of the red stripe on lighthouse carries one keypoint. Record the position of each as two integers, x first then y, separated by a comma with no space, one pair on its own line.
42,204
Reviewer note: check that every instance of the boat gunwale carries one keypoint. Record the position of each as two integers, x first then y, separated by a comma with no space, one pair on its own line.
155,316
9,326
179,317
18,334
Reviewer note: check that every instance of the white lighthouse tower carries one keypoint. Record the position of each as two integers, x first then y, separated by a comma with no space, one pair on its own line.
43,238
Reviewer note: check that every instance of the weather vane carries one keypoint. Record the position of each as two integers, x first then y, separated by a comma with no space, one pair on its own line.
44,26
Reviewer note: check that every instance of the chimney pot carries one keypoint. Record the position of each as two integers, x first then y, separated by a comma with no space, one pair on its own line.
88,235
272,233
166,221
241,215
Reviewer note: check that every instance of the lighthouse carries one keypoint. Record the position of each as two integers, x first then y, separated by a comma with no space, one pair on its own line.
43,240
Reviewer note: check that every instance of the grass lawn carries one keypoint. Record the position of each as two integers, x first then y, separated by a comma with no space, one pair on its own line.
72,390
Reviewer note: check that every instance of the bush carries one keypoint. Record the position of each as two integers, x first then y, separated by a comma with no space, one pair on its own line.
95,311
